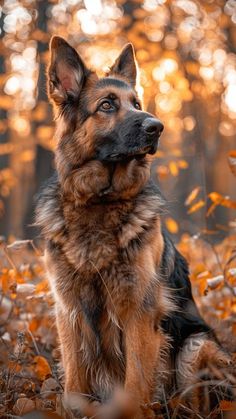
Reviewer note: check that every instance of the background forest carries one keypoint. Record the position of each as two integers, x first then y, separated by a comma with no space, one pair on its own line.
186,51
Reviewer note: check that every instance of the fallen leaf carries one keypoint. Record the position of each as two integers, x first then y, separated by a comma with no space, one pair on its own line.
173,168
228,203
42,286
8,280
33,325
227,405
14,367
42,367
196,206
204,274
232,161
211,209
219,199
162,171
183,164
202,287
18,244
215,282
171,225
216,197
190,198
23,405
25,288
160,153
50,387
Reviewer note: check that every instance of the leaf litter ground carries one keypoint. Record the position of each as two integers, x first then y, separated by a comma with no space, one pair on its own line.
30,377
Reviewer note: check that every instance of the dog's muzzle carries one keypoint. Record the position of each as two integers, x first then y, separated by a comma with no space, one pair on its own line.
137,137
152,129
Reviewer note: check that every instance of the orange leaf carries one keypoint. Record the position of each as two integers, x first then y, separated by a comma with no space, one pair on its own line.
8,280
228,203
183,164
190,198
13,366
4,281
215,282
228,405
176,152
18,244
42,367
233,308
196,206
219,199
204,274
42,286
33,325
216,197
202,287
160,153
162,171
172,225
232,161
23,405
25,289
211,209
173,167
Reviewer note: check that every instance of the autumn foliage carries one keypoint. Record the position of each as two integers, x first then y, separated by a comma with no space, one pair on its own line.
30,377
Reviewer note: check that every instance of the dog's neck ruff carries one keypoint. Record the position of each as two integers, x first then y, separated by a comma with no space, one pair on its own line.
52,218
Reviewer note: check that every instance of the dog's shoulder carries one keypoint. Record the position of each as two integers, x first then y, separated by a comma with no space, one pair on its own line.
176,271
186,320
149,203
49,216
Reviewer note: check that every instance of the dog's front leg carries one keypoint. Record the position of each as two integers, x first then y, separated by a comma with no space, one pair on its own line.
75,376
142,345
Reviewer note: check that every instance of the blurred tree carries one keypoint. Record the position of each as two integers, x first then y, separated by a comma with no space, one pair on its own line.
3,129
42,116
186,52
22,157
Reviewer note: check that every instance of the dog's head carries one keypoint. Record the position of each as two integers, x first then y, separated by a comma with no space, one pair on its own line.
105,115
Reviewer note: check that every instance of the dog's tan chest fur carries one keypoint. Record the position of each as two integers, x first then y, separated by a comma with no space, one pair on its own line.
102,262
104,239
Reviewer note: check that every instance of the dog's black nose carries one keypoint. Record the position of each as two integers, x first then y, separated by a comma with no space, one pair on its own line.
152,126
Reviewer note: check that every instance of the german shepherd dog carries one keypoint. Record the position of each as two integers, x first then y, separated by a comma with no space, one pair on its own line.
124,308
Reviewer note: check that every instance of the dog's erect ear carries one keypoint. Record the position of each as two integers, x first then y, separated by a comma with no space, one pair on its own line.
66,73
125,65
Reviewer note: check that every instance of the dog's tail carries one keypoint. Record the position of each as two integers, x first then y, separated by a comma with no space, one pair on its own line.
199,356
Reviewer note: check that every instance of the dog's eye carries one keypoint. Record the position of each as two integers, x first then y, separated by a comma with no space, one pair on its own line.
106,106
137,105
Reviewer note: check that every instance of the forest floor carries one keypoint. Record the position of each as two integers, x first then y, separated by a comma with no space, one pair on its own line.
29,354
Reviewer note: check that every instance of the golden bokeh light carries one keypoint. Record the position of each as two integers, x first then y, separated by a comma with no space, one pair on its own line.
187,67
230,97
12,85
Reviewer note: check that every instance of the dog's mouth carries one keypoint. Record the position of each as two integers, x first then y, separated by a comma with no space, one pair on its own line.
136,153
